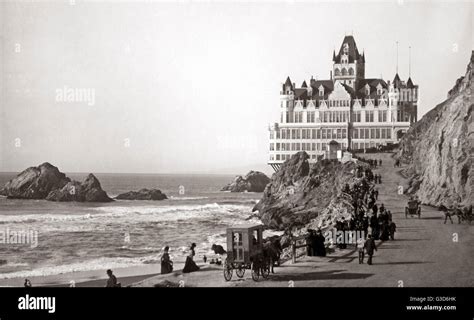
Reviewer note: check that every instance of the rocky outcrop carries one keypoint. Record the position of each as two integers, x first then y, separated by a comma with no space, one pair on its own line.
47,182
35,182
254,181
299,192
142,194
89,190
438,149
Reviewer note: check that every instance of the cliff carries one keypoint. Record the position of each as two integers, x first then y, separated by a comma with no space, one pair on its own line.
35,182
299,192
47,182
142,194
438,149
89,190
254,181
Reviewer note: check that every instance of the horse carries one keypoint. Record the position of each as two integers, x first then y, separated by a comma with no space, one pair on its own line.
218,249
463,215
272,251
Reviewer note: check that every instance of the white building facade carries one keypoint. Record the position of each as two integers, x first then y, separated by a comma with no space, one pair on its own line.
356,112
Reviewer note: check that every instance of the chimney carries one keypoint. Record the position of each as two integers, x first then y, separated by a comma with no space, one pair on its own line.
330,75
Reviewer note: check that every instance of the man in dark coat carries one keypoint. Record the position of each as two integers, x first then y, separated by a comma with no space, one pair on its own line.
318,244
370,247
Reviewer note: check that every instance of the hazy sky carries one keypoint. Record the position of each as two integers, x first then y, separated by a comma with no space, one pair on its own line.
191,87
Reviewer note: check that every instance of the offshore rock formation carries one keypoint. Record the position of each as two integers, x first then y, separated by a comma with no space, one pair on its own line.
87,191
299,193
35,182
47,182
142,194
254,181
438,149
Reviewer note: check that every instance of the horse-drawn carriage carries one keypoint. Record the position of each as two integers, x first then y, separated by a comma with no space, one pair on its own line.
413,208
245,251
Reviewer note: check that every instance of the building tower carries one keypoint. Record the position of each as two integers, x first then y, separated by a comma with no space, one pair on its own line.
348,64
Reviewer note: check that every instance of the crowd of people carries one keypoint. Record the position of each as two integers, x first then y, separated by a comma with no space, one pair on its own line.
375,221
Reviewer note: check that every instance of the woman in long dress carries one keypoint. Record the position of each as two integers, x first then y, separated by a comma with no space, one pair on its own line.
166,263
190,265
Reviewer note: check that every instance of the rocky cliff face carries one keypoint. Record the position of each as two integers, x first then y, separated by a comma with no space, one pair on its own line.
299,193
142,194
438,149
89,190
47,182
35,182
254,181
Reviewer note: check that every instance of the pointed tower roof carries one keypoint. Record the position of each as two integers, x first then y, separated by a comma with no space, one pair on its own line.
352,50
334,55
304,85
410,84
288,82
397,81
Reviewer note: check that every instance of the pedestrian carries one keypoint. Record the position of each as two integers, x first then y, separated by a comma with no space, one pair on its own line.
380,162
190,265
112,281
393,229
370,247
166,263
361,247
27,283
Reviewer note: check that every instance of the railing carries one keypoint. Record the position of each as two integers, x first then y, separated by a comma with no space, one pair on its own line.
296,244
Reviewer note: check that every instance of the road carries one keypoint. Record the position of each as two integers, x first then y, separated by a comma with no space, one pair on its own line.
425,252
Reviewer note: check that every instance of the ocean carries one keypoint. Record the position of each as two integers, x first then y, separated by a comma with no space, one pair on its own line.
124,233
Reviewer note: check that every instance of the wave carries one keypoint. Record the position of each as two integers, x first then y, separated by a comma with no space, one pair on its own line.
187,198
140,213
95,264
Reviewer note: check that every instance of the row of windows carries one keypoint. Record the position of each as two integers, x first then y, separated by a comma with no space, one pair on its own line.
372,133
305,146
322,147
340,116
332,133
334,116
343,72
324,133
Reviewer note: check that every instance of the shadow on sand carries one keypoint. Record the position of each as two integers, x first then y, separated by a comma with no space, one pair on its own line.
322,275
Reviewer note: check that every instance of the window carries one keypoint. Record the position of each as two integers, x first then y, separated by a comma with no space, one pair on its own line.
337,72
283,134
369,116
278,134
384,133
318,134
313,134
344,133
303,134
389,134
357,117
351,73
377,133
278,147
323,133
355,133
272,147
339,133
287,116
344,72
278,157
367,130
362,133
382,115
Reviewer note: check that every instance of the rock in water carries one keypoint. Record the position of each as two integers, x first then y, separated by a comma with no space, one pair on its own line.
298,192
438,149
143,194
89,190
254,181
35,182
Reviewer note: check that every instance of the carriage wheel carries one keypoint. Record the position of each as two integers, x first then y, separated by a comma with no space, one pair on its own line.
255,272
240,272
227,271
266,270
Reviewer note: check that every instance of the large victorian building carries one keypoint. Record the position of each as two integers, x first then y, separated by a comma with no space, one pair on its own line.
350,109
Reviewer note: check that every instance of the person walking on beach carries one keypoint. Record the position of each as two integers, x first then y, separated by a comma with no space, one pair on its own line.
361,247
27,283
393,229
112,281
166,263
190,265
370,247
